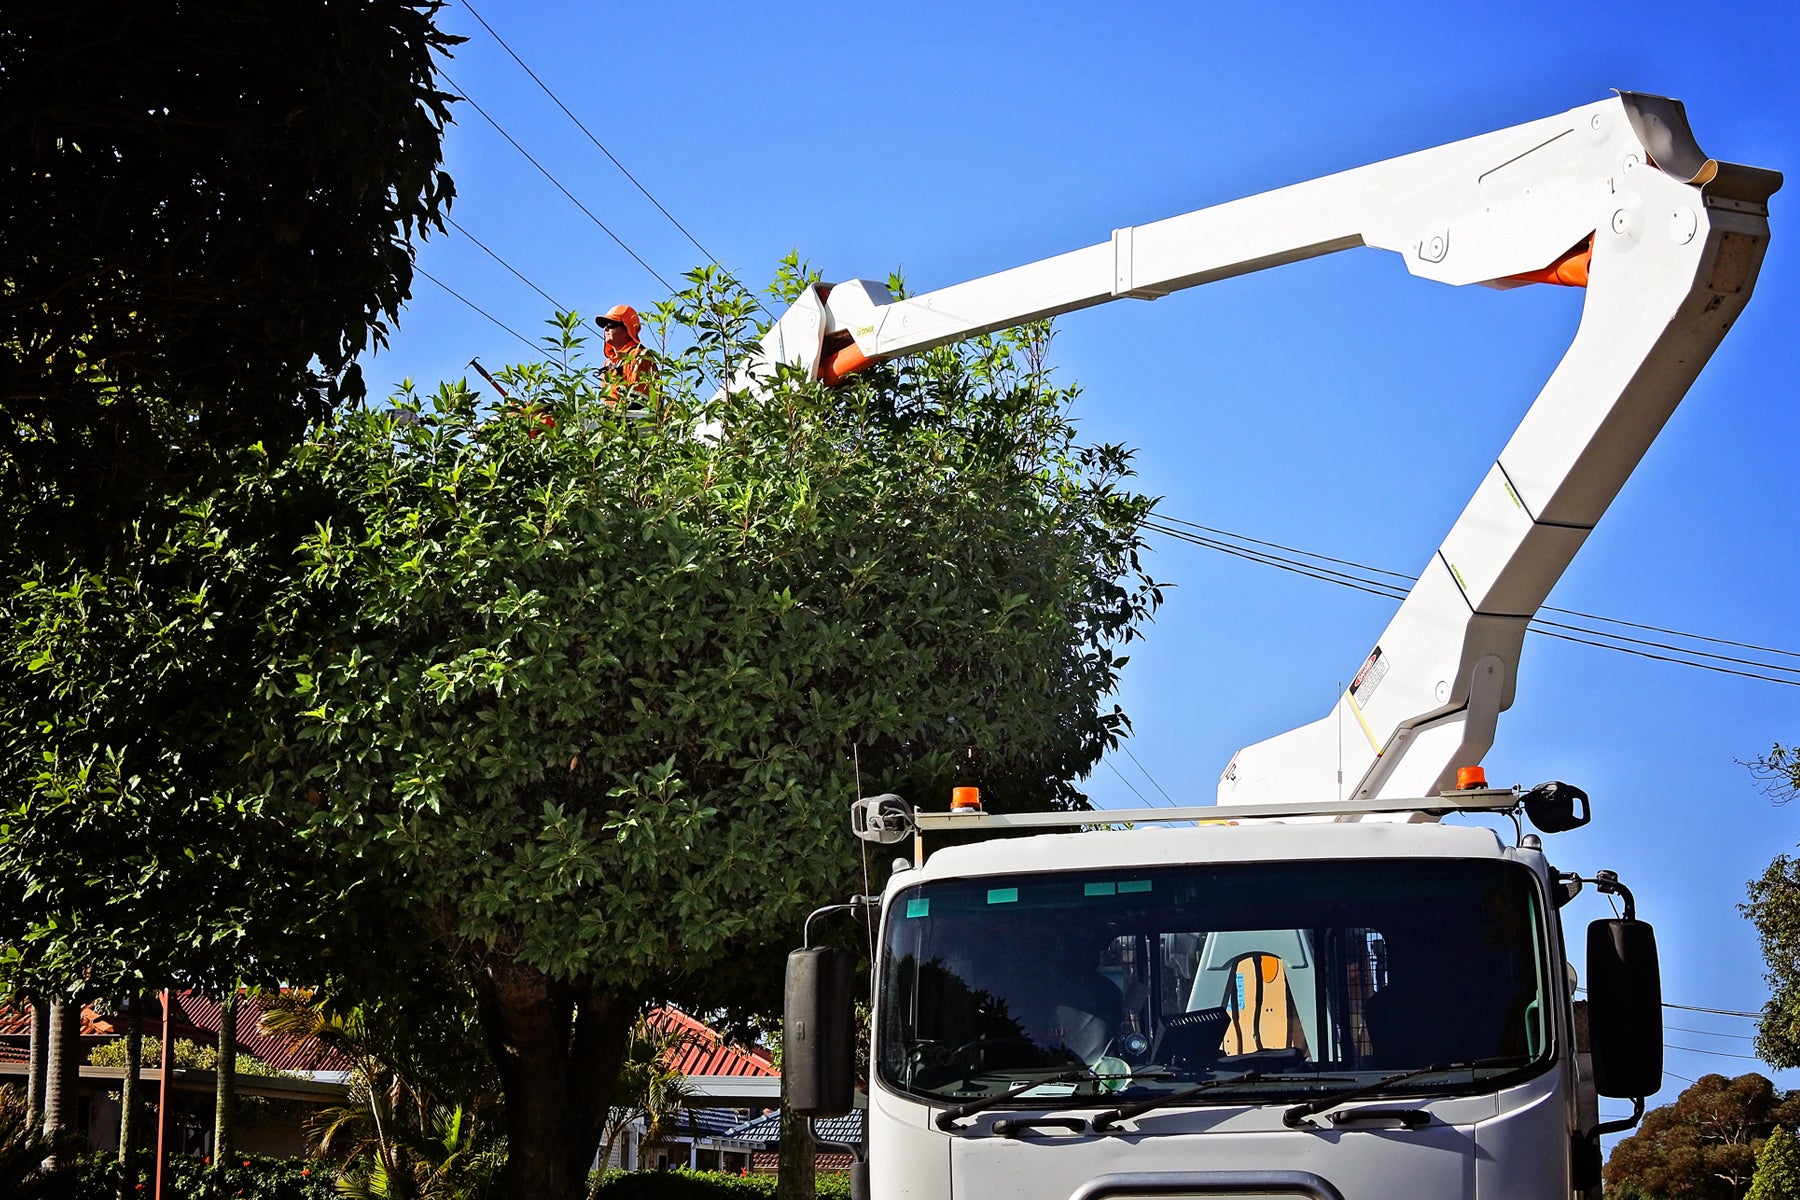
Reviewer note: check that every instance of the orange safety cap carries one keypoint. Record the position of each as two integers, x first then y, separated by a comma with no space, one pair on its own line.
623,314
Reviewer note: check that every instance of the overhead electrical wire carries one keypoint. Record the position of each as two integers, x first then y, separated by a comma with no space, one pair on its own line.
545,171
484,312
1148,775
1713,1053
598,145
518,274
1375,581
1717,1012
1742,1037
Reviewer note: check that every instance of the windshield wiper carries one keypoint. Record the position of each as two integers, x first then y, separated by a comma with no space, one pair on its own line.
1293,1116
1112,1116
947,1120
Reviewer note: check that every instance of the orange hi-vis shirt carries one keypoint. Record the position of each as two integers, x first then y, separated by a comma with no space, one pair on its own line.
628,370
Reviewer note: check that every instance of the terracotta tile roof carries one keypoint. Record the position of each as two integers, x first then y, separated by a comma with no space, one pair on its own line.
768,1162
16,1022
196,1019
278,1052
703,1052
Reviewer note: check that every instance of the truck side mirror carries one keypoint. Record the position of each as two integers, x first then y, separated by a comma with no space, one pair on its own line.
818,1036
1624,1009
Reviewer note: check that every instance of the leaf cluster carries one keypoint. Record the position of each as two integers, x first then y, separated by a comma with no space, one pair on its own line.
589,686
1704,1146
206,216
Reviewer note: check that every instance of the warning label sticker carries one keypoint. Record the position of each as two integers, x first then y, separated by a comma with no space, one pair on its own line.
1374,670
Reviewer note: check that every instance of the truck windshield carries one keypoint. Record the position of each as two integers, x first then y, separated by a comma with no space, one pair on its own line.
1296,976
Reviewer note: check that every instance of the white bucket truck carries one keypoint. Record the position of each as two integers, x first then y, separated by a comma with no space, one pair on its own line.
1320,991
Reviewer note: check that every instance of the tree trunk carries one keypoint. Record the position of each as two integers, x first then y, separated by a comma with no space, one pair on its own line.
128,1100
558,1048
225,1088
797,1173
59,1079
40,1041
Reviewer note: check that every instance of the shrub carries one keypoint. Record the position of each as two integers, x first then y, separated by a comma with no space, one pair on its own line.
252,1177
704,1185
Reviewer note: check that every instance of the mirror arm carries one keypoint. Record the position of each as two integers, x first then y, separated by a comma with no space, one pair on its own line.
1607,884
1622,1124
855,903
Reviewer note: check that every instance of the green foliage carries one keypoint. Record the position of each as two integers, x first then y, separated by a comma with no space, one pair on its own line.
130,852
1704,1146
647,1089
1774,908
394,1137
205,217
586,689
23,1149
1777,1168
193,1056
703,1185
250,1176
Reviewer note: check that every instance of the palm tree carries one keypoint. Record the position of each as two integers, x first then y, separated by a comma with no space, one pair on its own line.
393,1140
60,1067
27,1151
648,1087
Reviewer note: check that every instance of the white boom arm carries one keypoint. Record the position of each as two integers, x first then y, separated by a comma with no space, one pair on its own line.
1617,193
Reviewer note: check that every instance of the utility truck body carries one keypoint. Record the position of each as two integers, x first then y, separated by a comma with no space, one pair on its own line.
1320,991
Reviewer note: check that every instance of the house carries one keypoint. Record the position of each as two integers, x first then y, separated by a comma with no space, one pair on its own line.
726,1085
835,1136
273,1108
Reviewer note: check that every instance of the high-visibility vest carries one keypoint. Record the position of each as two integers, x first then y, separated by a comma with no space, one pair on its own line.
627,372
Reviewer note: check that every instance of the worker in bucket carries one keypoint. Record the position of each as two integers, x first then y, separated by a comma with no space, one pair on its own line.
629,366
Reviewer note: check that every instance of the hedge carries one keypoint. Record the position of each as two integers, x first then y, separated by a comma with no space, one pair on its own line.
684,1184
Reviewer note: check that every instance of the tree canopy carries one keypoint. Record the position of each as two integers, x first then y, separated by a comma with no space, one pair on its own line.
1777,1168
206,214
1704,1146
586,690
1774,908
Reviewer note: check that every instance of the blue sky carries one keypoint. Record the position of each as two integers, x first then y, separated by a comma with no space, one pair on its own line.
1338,405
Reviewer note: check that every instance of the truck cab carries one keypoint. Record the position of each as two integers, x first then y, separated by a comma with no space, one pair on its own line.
1274,1006
1277,966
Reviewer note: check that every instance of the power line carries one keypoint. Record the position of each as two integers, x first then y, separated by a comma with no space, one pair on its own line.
1717,1012
1147,774
484,312
1742,1037
1127,782
604,228
1278,555
707,254
518,274
1713,1053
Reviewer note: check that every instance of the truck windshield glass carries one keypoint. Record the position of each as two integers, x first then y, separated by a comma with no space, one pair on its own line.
1310,976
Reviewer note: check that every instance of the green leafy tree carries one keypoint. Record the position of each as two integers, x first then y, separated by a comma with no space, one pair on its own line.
205,216
396,1138
648,1088
1704,1146
1777,1168
27,1149
583,689
1774,908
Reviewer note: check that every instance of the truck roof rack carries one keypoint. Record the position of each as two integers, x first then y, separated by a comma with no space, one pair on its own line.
888,818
